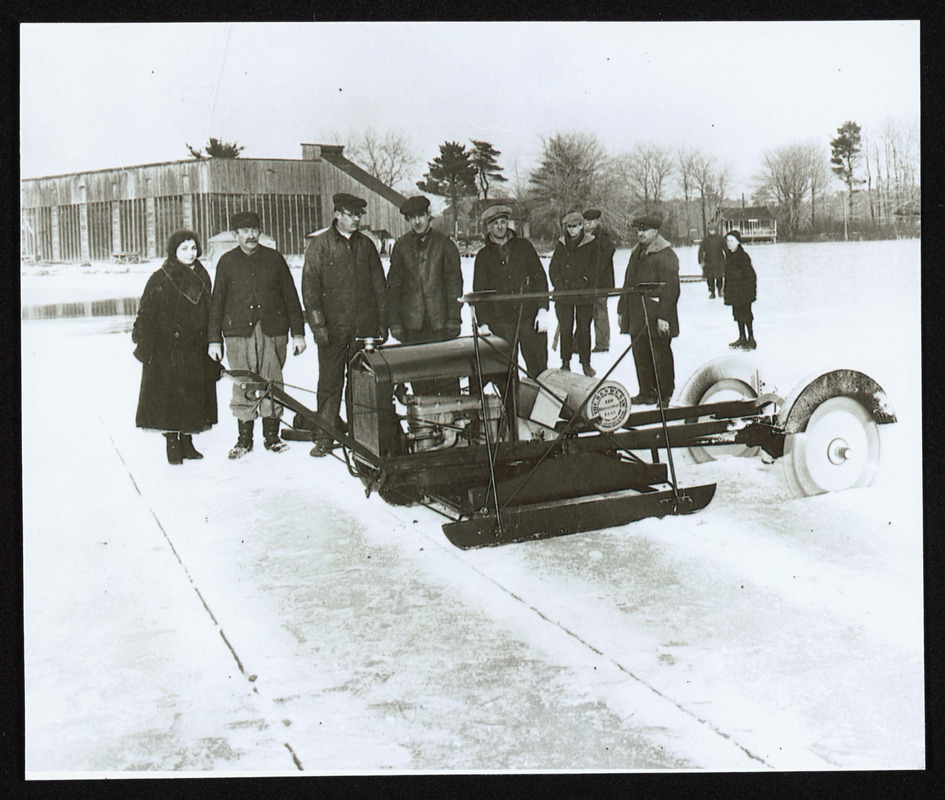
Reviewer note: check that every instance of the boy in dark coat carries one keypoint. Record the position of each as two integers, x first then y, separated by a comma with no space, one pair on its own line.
651,261
254,305
741,284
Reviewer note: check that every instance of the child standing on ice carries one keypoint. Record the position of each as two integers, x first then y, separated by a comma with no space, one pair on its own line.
740,290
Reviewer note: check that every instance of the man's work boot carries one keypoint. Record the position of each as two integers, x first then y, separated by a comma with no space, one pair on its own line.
271,440
245,442
739,343
589,370
321,449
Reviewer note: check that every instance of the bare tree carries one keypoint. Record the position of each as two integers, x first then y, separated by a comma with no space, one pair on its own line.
787,174
645,170
390,156
685,159
710,179
819,180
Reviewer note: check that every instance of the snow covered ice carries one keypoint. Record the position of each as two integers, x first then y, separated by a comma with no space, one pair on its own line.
264,617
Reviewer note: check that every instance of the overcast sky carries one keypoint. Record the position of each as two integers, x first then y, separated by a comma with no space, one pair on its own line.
109,95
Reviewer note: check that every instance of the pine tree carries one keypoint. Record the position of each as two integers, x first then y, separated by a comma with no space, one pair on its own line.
450,175
483,160
845,156
217,148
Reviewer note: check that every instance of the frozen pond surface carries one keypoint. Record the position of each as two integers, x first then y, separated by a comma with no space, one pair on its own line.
262,616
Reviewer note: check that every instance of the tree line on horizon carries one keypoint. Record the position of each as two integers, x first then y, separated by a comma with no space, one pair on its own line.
861,183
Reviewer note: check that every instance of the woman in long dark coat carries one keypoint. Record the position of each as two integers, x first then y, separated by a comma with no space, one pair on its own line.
178,380
740,290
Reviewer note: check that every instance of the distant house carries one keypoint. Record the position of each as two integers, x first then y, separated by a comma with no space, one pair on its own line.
756,223
128,213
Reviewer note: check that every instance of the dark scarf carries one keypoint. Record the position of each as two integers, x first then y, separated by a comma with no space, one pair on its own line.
572,242
190,282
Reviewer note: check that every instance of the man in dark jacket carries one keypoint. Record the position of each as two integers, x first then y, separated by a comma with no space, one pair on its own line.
508,264
345,299
424,284
574,266
652,261
254,304
605,280
712,260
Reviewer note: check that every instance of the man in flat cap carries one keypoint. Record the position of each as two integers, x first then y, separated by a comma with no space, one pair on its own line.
574,265
424,284
605,278
345,299
254,304
508,264
652,260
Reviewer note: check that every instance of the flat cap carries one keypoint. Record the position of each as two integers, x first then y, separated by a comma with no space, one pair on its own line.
244,219
494,212
652,220
592,213
415,205
572,218
348,202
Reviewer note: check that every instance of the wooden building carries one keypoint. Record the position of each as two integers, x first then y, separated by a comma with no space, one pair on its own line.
756,223
128,213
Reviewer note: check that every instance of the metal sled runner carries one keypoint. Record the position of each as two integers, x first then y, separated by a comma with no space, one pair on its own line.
510,458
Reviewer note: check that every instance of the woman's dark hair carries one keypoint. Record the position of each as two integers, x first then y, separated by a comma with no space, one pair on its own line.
736,233
178,238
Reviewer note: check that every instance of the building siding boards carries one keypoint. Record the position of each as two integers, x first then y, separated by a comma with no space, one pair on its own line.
135,209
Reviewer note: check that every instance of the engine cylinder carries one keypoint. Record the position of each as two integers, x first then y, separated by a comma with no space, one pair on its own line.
608,404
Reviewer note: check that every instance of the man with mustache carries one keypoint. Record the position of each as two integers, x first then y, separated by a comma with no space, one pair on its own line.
424,284
254,304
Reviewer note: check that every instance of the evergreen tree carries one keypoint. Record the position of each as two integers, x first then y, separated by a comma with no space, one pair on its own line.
216,148
483,160
450,175
568,178
845,156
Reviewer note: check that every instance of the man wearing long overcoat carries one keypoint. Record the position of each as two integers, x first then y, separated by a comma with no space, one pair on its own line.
651,262
345,298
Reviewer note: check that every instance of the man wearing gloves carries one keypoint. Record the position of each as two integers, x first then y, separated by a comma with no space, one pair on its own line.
508,264
345,299
651,261
424,284
254,304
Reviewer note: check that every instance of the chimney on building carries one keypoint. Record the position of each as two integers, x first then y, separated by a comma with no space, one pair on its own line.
311,152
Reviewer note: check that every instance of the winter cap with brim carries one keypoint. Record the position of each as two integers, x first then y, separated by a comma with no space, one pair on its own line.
648,221
572,218
736,233
244,219
348,202
415,205
592,213
494,212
